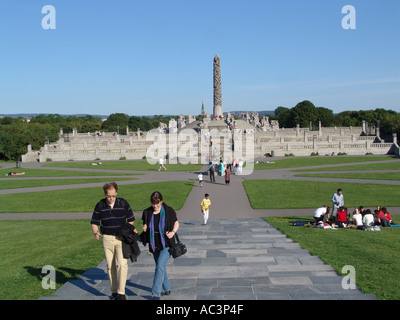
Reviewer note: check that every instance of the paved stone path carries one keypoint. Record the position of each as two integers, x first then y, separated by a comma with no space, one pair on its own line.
227,259
236,256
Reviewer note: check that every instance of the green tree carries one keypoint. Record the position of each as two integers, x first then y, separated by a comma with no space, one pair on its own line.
282,114
326,116
9,120
115,121
303,113
13,141
280,110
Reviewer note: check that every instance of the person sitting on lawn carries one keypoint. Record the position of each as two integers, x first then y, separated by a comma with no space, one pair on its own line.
387,215
319,214
361,209
375,214
383,219
357,219
342,217
368,219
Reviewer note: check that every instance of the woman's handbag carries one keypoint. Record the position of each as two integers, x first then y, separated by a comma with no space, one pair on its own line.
178,248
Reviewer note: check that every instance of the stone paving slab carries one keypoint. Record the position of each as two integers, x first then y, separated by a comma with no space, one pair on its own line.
257,262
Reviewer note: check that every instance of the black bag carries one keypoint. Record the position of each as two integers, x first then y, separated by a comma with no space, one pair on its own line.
178,248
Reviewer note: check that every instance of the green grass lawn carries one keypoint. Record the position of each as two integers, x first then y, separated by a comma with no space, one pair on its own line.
395,165
35,173
317,161
28,246
137,165
8,184
285,194
84,200
356,175
374,255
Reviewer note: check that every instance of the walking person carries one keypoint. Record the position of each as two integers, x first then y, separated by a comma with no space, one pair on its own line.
200,177
221,168
205,207
111,213
240,166
211,169
337,202
161,161
160,224
228,175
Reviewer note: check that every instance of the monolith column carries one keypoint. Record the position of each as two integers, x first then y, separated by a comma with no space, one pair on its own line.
217,89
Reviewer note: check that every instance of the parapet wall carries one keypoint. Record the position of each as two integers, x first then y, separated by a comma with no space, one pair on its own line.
134,145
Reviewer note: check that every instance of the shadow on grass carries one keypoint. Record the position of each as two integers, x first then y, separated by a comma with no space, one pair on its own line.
77,277
298,220
63,275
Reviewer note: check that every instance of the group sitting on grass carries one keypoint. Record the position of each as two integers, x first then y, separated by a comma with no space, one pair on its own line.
361,218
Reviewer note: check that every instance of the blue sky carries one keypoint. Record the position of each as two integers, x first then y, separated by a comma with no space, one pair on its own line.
156,56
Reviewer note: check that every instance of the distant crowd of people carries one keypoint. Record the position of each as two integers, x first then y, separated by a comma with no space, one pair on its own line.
361,218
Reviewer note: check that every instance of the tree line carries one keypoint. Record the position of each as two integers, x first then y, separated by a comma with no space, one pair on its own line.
17,133
305,112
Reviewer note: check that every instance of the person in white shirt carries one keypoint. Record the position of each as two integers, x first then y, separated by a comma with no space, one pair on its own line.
357,218
368,219
240,166
161,161
337,202
200,177
319,214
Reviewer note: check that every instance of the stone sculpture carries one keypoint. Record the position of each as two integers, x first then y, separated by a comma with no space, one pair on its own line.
217,89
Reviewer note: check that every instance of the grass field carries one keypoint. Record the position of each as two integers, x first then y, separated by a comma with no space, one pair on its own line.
34,173
28,246
317,161
16,184
395,165
395,176
285,194
137,165
374,255
84,200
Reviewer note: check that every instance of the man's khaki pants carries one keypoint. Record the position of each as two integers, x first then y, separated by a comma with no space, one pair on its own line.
117,265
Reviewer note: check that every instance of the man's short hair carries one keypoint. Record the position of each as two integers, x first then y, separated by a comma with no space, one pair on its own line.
110,185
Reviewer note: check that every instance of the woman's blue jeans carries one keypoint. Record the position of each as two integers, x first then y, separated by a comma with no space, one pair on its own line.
160,276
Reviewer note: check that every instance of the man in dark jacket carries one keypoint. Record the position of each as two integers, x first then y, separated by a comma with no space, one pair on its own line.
112,213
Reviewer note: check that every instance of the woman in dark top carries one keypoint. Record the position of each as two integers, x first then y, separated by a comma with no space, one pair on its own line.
160,224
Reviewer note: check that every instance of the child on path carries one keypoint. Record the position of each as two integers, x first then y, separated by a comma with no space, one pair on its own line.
200,176
205,207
